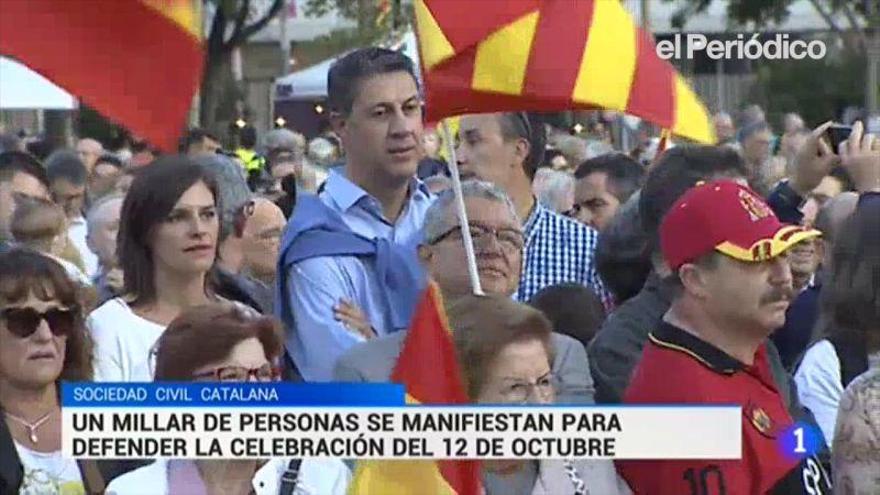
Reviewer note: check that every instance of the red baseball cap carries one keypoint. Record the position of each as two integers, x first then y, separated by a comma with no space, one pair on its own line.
727,217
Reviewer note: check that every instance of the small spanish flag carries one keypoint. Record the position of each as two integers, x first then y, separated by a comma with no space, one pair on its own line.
550,55
428,369
138,62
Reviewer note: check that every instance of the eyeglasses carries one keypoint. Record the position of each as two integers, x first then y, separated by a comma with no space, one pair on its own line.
265,373
509,239
518,392
23,322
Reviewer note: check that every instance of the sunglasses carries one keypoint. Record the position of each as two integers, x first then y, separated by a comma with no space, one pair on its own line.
23,322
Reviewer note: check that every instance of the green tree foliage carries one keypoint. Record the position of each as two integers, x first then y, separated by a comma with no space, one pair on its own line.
817,89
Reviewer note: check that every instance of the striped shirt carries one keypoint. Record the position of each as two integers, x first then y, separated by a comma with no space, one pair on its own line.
558,250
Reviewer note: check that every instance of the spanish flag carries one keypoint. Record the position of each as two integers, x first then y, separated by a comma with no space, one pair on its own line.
428,369
138,62
550,55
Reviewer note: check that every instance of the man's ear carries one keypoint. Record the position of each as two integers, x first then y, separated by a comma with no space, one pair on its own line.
522,151
338,123
694,280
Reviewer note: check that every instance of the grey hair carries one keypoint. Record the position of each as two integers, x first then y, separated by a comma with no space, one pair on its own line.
232,186
284,139
554,189
91,215
437,217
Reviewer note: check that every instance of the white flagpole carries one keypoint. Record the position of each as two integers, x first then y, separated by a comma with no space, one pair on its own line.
462,213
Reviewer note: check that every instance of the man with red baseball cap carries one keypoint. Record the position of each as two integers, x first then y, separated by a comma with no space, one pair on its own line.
732,285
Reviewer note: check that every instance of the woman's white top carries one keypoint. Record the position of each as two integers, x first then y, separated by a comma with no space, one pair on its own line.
48,472
316,477
819,384
123,341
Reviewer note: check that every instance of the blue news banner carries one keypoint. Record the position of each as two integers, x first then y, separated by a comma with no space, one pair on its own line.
372,421
225,395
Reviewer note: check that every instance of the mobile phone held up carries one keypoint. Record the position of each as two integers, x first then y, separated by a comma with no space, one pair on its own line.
836,134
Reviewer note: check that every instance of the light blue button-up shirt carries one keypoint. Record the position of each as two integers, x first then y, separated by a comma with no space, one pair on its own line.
316,339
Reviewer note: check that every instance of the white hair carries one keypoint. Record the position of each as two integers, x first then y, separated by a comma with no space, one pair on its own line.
439,214
94,208
554,189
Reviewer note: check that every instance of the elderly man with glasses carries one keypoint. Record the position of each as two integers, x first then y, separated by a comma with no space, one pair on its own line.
498,244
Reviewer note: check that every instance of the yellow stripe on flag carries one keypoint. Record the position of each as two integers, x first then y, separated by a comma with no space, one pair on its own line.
691,117
501,60
185,13
609,62
435,46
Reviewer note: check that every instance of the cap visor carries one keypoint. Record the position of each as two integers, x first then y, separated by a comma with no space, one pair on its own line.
768,248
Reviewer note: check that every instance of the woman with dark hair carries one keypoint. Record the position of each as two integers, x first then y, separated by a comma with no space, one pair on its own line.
42,342
224,344
505,350
167,245
850,310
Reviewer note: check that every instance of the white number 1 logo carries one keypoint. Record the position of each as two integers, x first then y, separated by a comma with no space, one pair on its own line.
799,448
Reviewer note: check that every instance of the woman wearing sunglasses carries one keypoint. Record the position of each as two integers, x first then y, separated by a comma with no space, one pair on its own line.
505,349
42,341
167,246
221,343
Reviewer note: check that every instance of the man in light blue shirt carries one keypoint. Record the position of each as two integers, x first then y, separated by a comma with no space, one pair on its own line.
359,253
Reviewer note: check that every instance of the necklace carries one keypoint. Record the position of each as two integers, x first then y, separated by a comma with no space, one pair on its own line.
31,427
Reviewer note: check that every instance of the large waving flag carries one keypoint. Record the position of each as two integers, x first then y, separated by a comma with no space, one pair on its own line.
550,55
428,369
138,62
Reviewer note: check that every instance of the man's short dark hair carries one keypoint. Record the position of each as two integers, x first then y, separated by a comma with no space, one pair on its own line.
346,74
625,175
247,137
15,162
679,169
110,159
572,309
528,126
195,136
65,164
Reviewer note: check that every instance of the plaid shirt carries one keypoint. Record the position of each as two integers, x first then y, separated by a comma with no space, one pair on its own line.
558,250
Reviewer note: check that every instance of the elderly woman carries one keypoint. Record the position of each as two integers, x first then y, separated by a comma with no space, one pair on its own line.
222,343
505,351
42,341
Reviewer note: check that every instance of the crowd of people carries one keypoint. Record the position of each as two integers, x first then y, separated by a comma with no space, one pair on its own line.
745,273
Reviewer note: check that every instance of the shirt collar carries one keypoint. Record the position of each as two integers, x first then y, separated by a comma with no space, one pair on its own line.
673,338
538,212
346,193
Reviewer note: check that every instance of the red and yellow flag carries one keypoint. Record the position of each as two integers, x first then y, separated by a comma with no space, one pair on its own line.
138,62
428,369
550,55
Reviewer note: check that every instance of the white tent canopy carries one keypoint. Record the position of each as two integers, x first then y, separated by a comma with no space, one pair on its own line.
24,89
311,83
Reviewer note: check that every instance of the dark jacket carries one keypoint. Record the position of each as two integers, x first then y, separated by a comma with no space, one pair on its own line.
798,332
243,289
616,349
11,472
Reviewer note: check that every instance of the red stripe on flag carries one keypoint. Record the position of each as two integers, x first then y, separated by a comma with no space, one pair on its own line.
467,22
555,59
428,369
123,58
652,91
